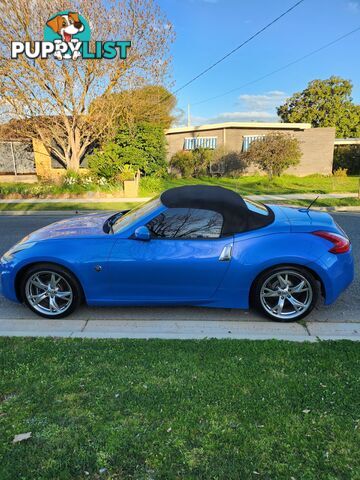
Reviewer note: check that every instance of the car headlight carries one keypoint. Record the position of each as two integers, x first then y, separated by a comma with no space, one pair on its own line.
9,255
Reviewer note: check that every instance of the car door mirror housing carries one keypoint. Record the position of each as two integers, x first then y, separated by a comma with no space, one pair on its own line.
142,233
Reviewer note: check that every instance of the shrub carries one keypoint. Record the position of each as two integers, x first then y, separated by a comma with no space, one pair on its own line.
140,148
340,172
184,163
127,172
192,163
227,162
106,163
202,159
71,178
76,182
144,147
274,153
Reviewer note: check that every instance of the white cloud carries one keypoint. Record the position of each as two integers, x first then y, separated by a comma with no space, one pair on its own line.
251,108
353,7
241,116
254,108
246,116
181,119
266,101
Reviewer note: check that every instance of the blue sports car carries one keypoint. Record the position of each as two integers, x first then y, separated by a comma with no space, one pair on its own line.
197,245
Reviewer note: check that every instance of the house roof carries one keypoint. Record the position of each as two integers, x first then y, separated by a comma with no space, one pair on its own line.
251,125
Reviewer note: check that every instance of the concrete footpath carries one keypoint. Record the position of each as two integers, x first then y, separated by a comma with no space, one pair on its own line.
180,330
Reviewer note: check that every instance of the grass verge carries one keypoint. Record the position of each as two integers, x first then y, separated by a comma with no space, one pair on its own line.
117,206
150,186
211,409
324,202
36,207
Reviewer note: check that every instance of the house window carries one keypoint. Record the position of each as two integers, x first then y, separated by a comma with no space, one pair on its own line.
248,139
200,142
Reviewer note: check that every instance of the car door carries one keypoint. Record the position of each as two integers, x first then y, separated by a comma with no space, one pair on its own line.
184,261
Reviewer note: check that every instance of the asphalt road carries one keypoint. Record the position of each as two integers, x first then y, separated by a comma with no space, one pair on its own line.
346,309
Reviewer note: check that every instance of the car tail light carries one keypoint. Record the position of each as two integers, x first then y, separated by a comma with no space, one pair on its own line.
341,243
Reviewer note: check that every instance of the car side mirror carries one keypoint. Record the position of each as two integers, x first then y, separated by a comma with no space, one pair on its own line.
142,233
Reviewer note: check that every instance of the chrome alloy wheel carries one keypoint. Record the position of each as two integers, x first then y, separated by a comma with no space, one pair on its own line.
286,295
48,292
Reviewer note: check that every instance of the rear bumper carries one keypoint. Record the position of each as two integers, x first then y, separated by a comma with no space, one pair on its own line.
336,273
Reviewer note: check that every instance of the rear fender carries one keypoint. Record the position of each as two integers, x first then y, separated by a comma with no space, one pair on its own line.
254,255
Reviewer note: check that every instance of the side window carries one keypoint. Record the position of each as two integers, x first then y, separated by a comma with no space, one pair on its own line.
186,223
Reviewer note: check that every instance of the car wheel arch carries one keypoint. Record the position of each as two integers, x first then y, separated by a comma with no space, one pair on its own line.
28,266
285,265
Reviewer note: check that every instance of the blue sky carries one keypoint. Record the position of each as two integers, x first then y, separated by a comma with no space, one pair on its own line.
207,29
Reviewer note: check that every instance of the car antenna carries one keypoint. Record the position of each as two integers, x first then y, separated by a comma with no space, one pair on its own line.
312,203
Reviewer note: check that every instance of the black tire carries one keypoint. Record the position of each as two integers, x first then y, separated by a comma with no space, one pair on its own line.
68,280
262,300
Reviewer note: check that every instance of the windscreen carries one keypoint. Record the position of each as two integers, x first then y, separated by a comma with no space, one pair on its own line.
131,217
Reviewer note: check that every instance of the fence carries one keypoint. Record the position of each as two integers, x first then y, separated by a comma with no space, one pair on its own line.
17,158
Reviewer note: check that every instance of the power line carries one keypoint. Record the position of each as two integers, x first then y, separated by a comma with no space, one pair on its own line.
280,69
238,47
230,53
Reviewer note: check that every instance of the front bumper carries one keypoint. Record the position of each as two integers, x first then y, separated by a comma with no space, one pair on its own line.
7,282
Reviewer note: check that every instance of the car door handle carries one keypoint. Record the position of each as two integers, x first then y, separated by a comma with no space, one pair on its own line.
226,253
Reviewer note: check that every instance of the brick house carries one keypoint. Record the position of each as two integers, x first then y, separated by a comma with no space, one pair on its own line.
317,144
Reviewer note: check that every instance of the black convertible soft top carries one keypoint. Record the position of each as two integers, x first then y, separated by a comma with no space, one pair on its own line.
236,214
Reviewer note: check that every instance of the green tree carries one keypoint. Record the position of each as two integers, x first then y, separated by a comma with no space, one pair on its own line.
142,147
325,103
55,94
274,153
151,104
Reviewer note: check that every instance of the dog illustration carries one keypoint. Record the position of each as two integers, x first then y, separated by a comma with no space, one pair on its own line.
66,25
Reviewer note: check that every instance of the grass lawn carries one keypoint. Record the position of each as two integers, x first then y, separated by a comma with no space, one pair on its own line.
210,409
257,185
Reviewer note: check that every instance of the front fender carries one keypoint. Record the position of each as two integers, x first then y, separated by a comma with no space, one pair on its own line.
11,270
79,256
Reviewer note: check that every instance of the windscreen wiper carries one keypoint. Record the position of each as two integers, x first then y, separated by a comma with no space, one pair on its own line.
110,222
113,219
